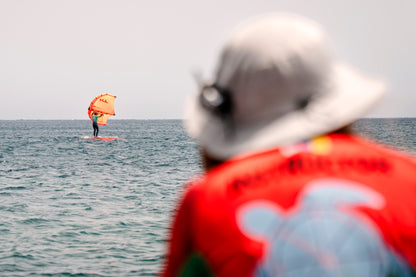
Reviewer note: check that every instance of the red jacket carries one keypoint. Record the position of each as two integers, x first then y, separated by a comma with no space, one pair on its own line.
335,204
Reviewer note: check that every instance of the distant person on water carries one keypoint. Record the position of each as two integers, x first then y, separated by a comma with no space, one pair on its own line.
288,188
95,117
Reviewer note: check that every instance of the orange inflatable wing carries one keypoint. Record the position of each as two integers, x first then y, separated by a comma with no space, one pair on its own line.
103,105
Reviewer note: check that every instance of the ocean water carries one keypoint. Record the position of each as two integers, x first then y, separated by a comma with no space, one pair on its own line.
74,206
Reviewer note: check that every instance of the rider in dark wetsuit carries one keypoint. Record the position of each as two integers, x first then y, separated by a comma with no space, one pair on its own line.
94,123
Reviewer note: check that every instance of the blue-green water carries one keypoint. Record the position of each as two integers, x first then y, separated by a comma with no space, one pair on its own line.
74,206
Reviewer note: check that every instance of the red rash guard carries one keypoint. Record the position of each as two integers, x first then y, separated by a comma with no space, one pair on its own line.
336,204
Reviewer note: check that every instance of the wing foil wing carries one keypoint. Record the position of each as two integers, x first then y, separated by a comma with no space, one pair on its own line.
102,104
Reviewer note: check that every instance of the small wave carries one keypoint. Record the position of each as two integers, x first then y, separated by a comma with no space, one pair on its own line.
34,220
22,256
15,188
65,274
68,234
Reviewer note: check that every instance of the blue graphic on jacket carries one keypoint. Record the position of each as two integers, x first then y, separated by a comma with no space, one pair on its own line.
321,235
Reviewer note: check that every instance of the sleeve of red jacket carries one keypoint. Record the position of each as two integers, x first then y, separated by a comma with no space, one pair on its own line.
180,242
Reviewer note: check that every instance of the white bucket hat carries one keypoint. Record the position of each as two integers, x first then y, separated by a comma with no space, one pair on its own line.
276,84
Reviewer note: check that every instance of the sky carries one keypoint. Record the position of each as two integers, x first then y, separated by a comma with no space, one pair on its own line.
57,55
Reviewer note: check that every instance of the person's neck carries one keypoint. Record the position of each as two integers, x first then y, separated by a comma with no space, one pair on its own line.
208,162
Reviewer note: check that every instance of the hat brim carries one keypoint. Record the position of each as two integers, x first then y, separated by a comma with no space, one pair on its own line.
350,95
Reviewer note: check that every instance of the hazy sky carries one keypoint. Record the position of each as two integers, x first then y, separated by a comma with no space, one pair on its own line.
57,55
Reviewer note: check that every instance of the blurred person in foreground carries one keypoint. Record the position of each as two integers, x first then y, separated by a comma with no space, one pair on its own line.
289,190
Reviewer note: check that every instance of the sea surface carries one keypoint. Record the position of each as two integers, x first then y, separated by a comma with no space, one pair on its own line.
74,206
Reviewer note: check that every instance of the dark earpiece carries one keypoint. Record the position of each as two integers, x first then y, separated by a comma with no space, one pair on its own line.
216,100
